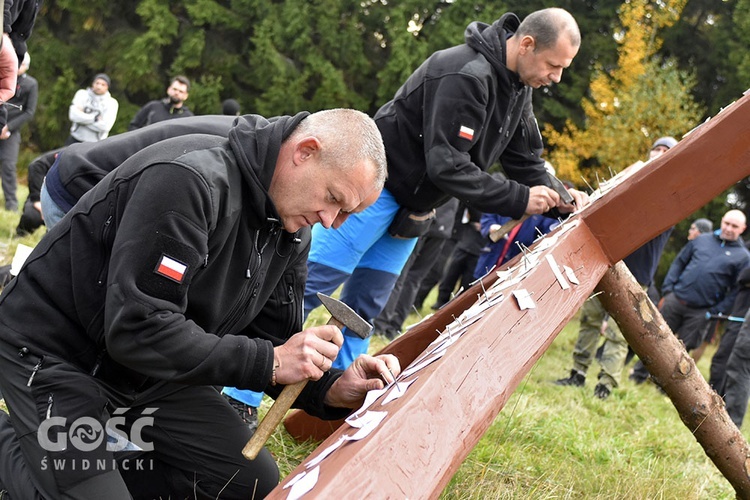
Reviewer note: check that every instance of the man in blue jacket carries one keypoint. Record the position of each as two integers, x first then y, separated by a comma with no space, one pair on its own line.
702,279
464,109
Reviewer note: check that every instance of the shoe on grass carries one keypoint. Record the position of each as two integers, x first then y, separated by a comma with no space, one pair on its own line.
248,414
601,391
577,379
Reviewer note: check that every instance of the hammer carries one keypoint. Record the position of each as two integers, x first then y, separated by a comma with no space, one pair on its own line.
721,316
341,316
559,188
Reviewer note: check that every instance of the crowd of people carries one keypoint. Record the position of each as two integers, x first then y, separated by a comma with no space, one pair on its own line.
183,256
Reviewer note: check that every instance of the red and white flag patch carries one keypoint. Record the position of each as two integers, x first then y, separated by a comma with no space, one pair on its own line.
466,133
170,268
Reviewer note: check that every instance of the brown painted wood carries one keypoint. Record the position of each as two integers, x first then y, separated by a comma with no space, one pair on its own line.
700,408
428,432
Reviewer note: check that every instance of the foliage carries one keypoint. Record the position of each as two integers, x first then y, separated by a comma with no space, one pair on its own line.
562,442
630,105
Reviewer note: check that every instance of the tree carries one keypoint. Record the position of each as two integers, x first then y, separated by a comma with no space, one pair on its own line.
630,105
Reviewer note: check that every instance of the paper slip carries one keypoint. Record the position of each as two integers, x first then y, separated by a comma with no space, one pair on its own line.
556,271
523,297
398,390
418,366
364,420
571,275
304,484
370,398
22,253
370,423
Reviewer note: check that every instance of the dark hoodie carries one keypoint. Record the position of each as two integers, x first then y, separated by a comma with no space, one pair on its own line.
459,113
173,268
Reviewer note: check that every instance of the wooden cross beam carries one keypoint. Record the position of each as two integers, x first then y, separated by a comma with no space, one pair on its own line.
451,402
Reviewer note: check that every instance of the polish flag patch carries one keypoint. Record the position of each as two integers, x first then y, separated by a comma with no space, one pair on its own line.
466,133
170,268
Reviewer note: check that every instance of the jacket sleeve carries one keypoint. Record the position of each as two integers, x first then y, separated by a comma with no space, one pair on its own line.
107,120
139,120
76,112
169,214
455,110
29,107
676,268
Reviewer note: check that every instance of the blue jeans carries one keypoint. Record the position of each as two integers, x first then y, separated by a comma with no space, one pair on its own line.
51,211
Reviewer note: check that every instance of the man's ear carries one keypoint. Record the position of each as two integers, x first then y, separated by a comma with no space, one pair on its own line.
306,148
528,44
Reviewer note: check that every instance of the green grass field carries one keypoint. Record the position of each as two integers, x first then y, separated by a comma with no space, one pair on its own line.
550,442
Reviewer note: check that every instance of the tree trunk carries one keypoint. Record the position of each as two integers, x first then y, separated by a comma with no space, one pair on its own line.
700,408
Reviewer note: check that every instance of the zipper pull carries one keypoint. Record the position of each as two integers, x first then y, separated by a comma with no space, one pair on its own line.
33,371
49,406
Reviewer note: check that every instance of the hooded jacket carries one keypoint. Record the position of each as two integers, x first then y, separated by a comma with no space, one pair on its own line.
80,166
173,268
459,113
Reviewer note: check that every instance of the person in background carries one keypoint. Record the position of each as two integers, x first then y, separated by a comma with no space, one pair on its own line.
168,108
698,227
93,112
595,322
425,256
21,109
463,110
18,18
230,107
702,279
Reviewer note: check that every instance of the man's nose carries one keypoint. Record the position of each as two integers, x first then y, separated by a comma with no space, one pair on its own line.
556,75
328,217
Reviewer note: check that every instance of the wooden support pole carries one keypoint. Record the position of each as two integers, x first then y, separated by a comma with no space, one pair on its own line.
699,407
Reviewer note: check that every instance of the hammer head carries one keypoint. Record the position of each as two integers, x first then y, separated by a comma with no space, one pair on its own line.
560,189
346,316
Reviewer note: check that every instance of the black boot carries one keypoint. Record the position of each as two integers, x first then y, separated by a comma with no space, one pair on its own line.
601,391
247,413
577,379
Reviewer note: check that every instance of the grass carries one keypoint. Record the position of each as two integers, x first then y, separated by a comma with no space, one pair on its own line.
552,442
549,442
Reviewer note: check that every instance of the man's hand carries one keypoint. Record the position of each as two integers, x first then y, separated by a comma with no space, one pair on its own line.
4,133
8,69
307,355
541,200
367,373
580,198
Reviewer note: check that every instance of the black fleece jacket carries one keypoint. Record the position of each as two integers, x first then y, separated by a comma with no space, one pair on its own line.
80,166
173,268
459,113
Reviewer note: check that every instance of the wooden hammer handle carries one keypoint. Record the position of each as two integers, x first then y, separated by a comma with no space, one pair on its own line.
276,413
506,228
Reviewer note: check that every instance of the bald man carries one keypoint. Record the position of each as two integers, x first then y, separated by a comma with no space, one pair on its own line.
702,279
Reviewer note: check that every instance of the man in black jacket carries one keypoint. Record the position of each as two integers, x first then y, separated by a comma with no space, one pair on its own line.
21,109
180,271
172,106
461,111
17,18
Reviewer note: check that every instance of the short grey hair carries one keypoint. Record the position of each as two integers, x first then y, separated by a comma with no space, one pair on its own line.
347,136
547,25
